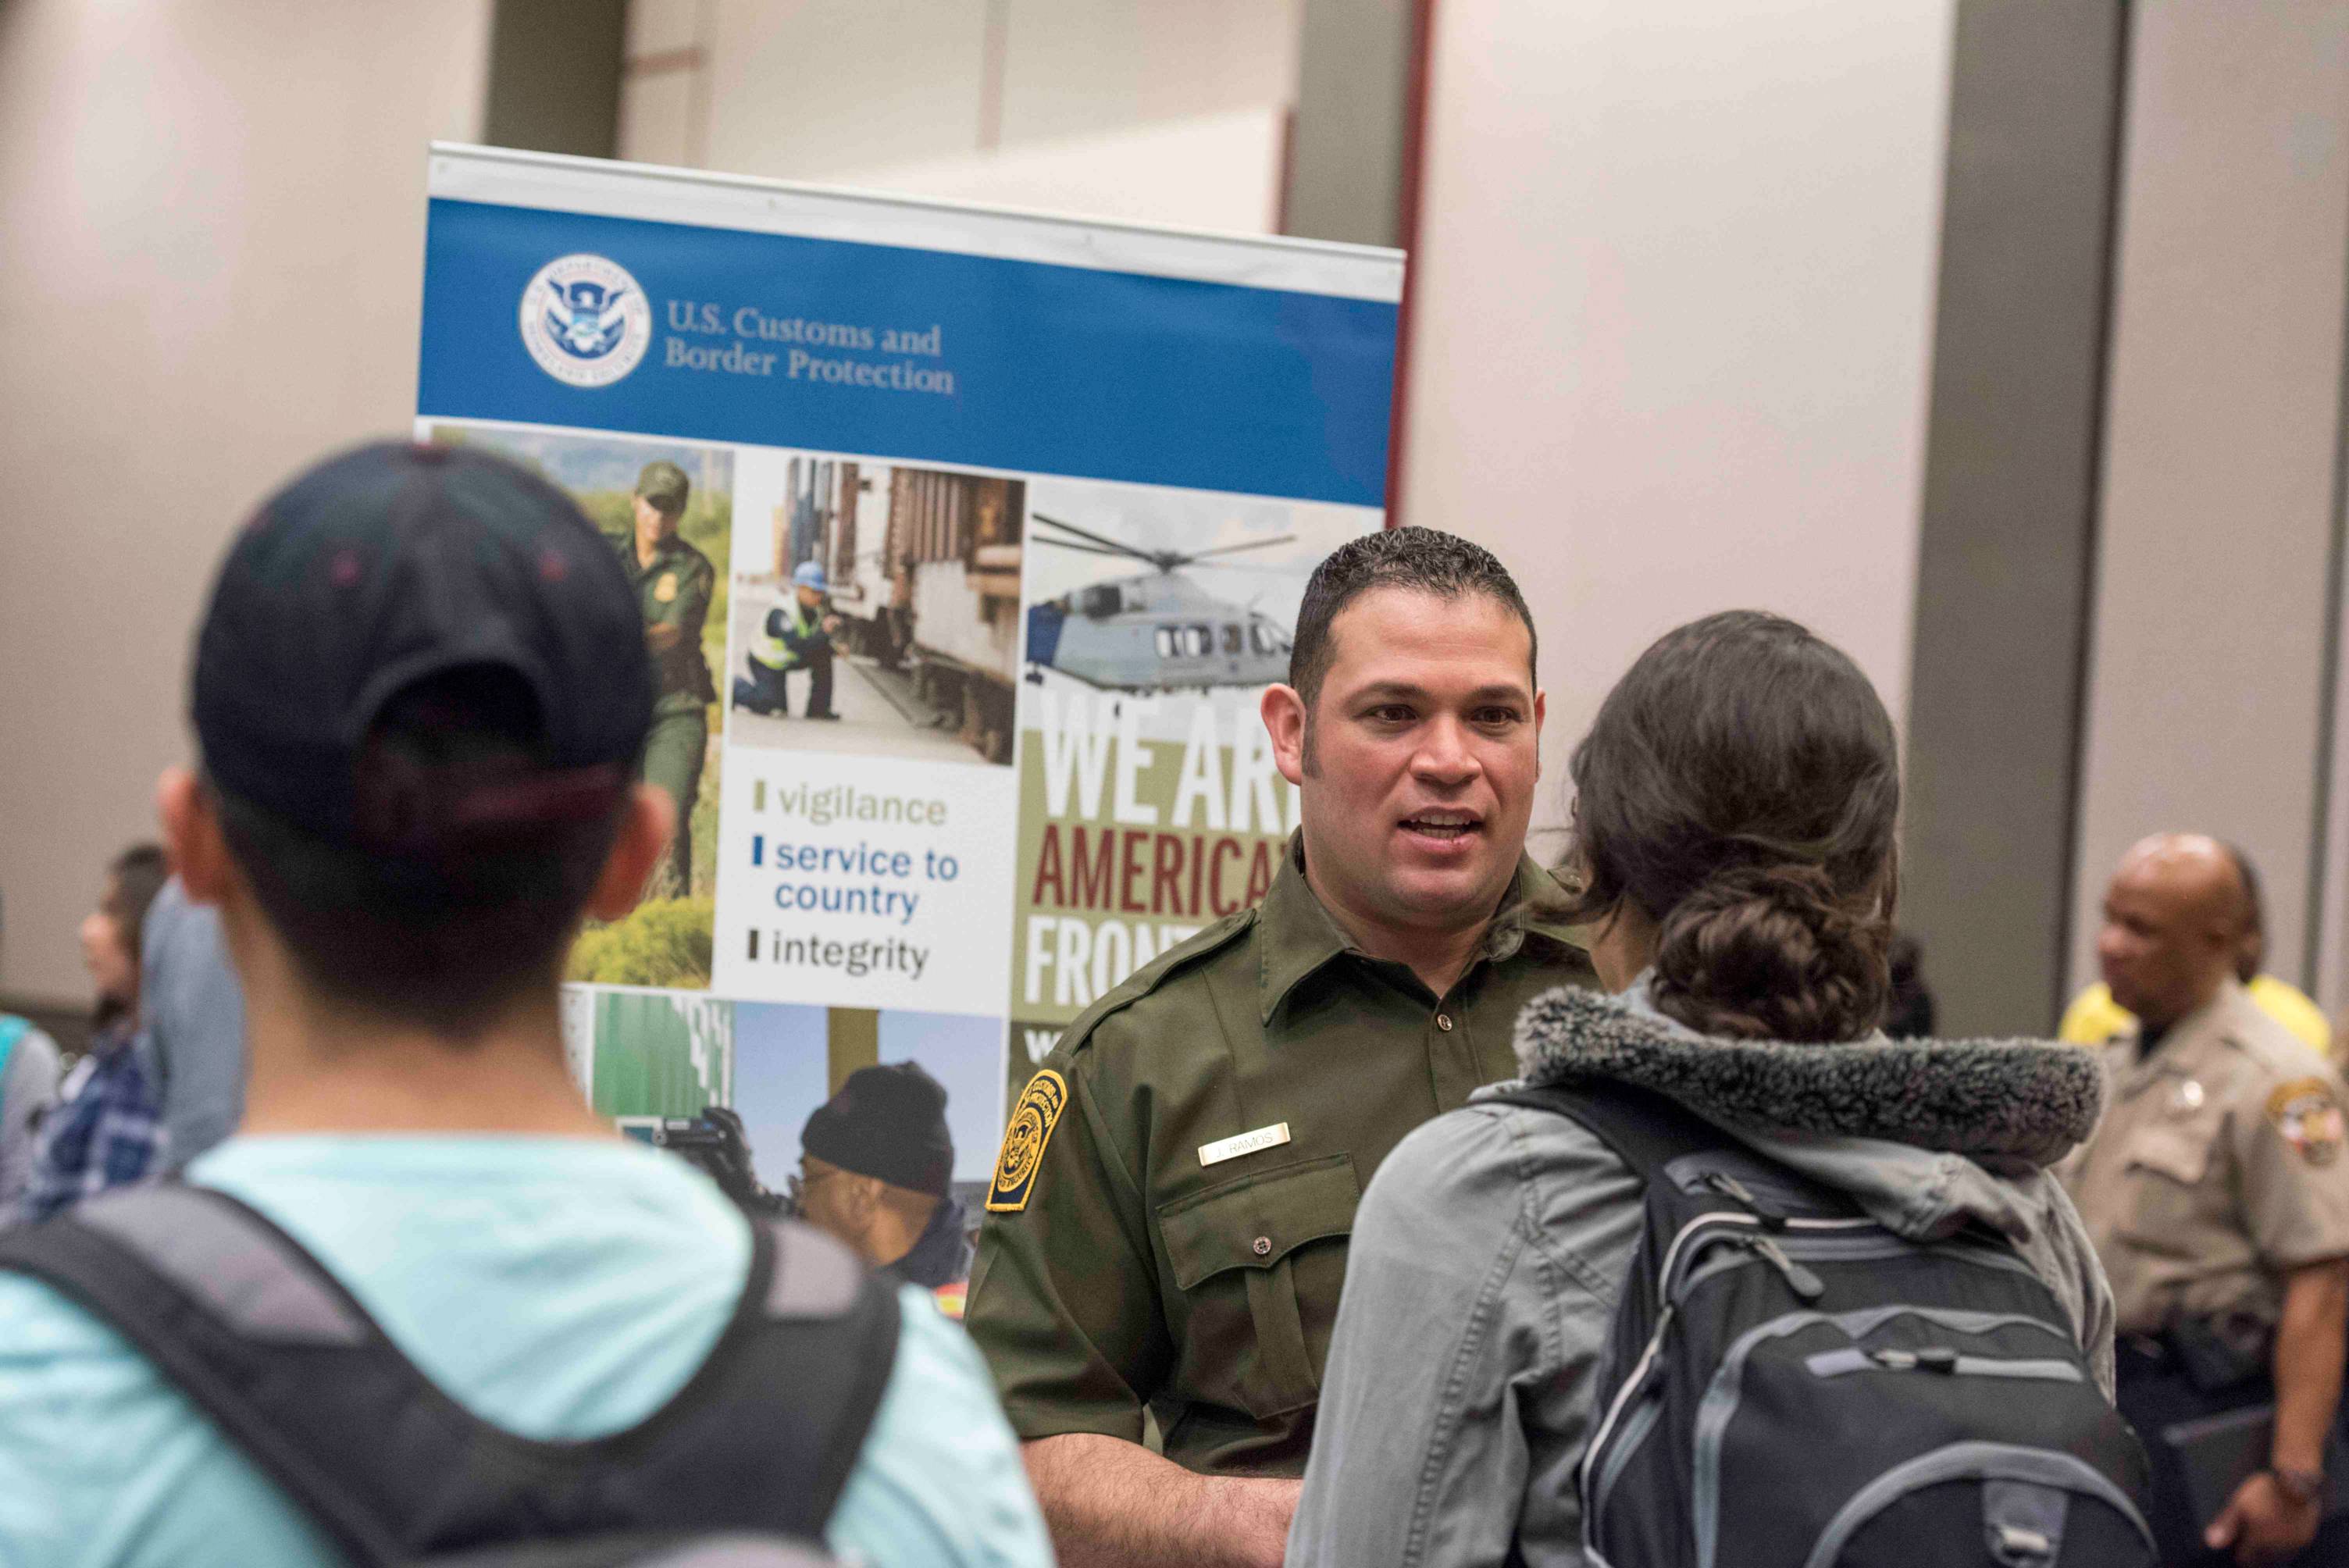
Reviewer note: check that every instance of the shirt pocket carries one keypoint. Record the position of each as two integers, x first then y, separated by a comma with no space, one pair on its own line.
1259,1261
2164,1172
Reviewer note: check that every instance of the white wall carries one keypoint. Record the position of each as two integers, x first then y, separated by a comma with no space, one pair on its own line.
1166,111
1211,172
1672,312
2223,432
211,225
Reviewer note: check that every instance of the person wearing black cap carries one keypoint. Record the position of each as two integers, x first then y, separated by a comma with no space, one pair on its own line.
421,694
876,1168
673,582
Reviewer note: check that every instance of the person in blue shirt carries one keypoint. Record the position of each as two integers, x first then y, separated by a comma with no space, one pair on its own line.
420,692
28,1082
191,1023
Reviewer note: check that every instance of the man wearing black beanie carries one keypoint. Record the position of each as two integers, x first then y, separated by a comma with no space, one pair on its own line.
877,1168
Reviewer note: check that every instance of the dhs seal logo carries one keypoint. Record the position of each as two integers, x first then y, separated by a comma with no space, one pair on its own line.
585,320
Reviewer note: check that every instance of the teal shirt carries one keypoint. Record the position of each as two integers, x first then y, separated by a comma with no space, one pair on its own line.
561,1288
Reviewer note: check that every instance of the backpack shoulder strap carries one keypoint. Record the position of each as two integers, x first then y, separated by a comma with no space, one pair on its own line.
235,1315
261,1338
1646,1129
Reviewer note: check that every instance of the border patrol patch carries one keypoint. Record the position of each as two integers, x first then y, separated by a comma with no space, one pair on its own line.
1032,1120
2309,1118
665,589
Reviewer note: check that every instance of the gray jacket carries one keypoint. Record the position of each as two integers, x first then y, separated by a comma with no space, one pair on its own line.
192,1023
1489,1251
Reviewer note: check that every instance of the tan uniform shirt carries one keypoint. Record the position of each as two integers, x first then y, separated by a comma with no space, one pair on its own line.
1168,1222
2217,1168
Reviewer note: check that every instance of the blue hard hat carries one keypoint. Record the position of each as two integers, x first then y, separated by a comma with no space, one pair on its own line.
808,574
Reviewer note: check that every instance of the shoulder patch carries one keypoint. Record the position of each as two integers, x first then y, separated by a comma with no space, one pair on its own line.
2309,1118
1032,1120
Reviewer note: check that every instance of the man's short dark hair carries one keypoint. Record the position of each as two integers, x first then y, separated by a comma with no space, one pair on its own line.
1421,559
430,921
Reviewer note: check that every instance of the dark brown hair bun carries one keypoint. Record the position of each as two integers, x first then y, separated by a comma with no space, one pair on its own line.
1741,785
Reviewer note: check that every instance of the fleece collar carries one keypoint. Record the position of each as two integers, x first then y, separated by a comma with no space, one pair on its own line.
1995,1099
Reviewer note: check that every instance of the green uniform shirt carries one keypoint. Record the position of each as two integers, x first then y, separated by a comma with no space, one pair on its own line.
1119,1269
674,591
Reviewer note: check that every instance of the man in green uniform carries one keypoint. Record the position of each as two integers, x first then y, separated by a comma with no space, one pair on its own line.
1167,1225
673,582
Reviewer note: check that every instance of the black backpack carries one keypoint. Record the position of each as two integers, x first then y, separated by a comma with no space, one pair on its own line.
1790,1385
740,1469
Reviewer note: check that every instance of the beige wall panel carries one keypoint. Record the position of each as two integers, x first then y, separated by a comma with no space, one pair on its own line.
1218,171
1074,71
840,91
2223,431
1673,309
657,115
211,222
662,27
802,92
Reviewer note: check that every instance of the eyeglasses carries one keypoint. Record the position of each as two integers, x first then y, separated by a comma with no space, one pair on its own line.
796,1186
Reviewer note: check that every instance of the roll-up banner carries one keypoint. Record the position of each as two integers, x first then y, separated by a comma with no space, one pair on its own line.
967,541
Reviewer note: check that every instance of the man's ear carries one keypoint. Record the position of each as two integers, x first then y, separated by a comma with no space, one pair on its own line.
646,823
1541,711
192,835
1284,720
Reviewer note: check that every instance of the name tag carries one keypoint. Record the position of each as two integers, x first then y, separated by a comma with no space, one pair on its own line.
1262,1139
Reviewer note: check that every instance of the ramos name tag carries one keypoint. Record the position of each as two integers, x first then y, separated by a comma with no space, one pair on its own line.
1262,1139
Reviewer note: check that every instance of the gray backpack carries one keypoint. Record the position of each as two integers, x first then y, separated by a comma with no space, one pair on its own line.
1790,1385
740,1469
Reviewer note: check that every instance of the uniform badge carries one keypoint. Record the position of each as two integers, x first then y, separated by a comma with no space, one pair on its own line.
2309,1118
1032,1120
665,589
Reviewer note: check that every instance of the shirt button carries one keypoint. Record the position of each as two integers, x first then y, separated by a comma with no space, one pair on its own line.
1263,1246
1444,1022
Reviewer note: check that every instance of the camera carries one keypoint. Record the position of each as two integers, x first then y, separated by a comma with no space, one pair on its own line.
714,1143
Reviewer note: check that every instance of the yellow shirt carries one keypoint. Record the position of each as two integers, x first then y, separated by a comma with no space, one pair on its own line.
2093,1018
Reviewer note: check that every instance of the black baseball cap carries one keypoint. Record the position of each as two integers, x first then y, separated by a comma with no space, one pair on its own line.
391,564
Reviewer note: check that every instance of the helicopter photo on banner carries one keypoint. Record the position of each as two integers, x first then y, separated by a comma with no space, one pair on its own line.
1149,805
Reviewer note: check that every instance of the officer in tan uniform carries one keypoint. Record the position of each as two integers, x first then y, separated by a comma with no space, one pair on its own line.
2218,1197
1166,1231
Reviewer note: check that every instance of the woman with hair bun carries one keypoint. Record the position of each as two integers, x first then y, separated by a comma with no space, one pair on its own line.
1735,815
